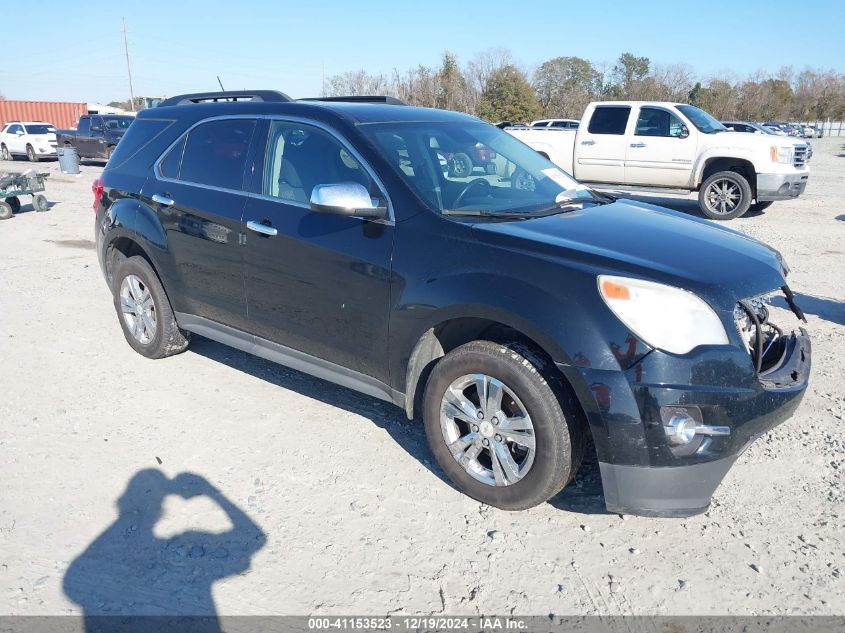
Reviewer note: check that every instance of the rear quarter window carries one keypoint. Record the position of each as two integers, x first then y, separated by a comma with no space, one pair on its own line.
609,120
139,134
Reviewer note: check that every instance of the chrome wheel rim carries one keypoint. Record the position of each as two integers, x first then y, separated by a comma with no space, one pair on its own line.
723,196
487,430
138,309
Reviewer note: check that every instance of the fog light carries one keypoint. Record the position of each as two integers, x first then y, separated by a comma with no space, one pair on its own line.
681,429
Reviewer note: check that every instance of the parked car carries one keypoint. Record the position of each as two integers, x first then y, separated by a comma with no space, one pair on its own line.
516,323
564,124
33,139
786,128
651,146
755,128
96,135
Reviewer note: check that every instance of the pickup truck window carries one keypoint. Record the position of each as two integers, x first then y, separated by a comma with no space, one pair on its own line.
609,120
84,126
299,157
701,120
215,153
116,122
657,122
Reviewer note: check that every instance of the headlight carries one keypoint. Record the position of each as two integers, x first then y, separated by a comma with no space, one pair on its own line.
667,318
782,154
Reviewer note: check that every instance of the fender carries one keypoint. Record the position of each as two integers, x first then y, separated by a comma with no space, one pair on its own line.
739,153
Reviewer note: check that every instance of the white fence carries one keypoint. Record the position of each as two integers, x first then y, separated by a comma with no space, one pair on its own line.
829,128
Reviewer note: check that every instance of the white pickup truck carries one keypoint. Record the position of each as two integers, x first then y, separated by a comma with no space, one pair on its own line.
677,149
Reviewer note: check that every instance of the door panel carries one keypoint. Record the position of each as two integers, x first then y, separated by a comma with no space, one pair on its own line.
600,146
321,285
657,154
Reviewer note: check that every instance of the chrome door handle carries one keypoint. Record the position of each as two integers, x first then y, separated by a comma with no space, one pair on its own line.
589,141
252,225
162,200
637,144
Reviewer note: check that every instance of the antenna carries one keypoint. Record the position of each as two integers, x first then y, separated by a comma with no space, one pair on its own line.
128,68
221,83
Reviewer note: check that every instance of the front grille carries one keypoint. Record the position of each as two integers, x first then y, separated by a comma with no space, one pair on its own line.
800,156
763,340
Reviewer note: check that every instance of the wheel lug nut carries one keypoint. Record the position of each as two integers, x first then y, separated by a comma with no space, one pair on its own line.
498,437
475,428
495,421
486,442
480,415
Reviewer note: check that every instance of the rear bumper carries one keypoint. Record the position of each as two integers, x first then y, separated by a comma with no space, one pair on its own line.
772,187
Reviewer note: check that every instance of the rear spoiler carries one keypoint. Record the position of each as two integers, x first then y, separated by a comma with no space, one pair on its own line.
269,96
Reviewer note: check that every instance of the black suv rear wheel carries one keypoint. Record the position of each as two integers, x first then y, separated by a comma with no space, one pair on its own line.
496,427
144,311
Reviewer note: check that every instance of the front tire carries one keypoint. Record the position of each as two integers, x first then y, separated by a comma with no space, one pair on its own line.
40,203
725,195
31,155
144,311
496,427
5,210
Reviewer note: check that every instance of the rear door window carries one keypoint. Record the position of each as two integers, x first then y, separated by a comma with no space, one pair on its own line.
609,120
216,152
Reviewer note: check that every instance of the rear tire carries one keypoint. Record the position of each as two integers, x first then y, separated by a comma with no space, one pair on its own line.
460,166
725,195
144,311
5,210
528,400
15,203
4,153
39,203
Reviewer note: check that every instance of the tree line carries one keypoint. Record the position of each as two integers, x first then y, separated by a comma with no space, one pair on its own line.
496,87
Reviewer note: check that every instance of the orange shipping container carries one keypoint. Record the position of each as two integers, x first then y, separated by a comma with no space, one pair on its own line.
62,114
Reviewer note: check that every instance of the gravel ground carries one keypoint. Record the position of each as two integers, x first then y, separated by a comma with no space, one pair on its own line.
310,498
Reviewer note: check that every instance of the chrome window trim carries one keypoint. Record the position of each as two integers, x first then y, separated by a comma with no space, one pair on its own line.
389,220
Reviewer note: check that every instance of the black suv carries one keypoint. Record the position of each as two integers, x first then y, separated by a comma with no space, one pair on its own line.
517,312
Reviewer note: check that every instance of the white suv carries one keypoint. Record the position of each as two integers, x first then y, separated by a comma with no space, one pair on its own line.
33,139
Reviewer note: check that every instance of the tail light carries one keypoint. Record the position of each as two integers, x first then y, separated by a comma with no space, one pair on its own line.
97,189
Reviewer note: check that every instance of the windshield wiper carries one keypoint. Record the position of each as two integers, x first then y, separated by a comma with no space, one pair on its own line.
559,207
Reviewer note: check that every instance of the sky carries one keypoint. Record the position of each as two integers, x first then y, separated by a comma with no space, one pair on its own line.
74,51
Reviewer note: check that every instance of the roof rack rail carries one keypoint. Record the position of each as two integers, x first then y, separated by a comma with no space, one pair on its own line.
271,96
360,99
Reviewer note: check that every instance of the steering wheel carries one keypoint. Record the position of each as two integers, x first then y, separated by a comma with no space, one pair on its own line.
472,183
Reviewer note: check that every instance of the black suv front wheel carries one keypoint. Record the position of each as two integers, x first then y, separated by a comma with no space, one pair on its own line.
496,427
144,311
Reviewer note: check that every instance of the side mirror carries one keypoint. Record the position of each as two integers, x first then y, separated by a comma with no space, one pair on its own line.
345,198
730,129
19,132
684,132
96,128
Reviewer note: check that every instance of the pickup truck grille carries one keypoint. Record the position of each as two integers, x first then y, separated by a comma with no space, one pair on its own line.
800,155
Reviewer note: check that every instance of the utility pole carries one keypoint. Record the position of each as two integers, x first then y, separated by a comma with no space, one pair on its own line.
128,69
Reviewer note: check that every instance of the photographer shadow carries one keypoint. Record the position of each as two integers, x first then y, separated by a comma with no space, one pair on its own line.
129,579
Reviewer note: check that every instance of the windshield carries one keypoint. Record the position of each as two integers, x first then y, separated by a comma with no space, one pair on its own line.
467,166
701,120
40,129
117,122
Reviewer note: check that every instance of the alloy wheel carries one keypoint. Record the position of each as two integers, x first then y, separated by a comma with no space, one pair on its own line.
138,308
487,430
723,196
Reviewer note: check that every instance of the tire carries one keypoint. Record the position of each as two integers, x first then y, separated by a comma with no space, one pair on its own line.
31,155
725,195
460,166
39,203
521,179
760,206
15,203
528,400
109,152
166,339
5,210
4,153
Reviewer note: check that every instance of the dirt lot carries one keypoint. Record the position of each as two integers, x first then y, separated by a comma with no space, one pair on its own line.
333,502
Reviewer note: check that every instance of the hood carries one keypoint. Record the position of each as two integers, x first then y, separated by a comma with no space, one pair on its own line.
641,240
753,141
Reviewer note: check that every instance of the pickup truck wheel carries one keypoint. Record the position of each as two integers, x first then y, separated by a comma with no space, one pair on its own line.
760,206
4,153
724,196
521,179
496,427
460,166
144,311
5,210
30,154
